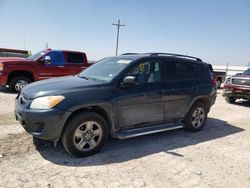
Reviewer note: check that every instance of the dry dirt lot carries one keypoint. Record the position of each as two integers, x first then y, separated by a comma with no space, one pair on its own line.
218,156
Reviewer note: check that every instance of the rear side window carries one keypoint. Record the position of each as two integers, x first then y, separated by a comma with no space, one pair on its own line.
75,58
198,70
178,71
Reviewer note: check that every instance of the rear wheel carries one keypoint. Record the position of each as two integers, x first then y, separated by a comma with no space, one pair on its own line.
196,118
85,134
18,83
231,100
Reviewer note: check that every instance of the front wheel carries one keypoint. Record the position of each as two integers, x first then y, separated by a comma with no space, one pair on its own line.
85,134
231,100
18,83
196,117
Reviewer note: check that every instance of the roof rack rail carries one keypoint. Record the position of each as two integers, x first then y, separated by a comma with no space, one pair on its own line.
177,55
169,54
130,53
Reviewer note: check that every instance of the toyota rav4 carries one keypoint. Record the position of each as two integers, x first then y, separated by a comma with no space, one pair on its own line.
122,97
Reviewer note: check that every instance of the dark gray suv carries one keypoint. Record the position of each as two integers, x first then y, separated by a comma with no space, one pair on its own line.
122,97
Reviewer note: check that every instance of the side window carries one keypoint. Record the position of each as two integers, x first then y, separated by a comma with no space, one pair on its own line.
178,71
57,58
198,70
74,58
147,72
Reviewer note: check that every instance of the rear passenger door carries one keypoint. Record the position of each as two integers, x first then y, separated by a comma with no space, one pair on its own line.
179,87
74,62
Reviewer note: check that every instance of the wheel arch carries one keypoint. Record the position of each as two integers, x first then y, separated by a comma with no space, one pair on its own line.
219,78
202,99
93,108
25,73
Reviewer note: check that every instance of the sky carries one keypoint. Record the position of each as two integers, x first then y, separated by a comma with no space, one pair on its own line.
217,31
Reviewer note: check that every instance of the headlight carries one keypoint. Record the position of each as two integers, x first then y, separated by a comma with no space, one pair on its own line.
1,66
46,103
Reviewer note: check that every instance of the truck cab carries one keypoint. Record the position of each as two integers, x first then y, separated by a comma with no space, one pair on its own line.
18,72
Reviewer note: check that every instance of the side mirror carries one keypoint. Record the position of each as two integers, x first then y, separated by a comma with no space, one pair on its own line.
129,80
47,59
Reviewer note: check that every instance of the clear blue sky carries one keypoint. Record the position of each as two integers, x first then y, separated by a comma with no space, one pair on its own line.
218,31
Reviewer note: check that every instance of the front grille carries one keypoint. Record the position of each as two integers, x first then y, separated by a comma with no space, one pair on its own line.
240,81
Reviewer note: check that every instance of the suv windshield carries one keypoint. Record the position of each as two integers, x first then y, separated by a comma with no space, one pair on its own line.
106,69
36,55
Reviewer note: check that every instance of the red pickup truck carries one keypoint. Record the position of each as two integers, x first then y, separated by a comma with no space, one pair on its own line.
18,72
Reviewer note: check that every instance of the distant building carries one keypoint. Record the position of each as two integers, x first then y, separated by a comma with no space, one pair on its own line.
230,70
5,52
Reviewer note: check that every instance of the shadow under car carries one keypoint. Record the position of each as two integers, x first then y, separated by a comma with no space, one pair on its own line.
117,151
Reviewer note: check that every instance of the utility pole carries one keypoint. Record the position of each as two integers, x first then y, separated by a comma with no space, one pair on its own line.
118,25
46,45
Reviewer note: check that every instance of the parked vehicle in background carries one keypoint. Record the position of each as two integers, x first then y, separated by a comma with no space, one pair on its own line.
124,97
18,72
237,87
6,52
219,76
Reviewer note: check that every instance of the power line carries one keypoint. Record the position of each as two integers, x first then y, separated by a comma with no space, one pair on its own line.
118,25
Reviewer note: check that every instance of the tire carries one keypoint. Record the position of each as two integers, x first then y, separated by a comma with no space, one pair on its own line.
18,83
230,100
85,134
196,117
218,82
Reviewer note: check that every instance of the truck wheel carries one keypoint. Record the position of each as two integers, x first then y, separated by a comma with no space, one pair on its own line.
230,99
18,83
196,117
218,83
85,134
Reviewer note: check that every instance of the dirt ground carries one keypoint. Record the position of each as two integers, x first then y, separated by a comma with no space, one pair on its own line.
218,156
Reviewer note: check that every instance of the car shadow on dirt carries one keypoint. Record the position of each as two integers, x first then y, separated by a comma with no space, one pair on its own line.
117,151
7,90
243,103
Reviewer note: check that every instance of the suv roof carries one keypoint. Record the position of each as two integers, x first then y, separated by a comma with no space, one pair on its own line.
163,54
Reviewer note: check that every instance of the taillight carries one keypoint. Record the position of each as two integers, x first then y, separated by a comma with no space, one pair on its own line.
1,66
213,81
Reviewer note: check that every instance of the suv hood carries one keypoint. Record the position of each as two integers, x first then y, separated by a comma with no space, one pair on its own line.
58,86
7,60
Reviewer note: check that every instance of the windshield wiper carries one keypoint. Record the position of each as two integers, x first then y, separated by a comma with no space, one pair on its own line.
84,77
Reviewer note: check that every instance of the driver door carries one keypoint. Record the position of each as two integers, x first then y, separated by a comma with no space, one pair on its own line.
54,68
142,103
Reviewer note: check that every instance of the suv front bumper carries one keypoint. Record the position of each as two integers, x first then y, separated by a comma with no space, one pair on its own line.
43,124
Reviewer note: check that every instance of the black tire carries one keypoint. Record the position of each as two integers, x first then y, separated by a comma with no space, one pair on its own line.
13,83
218,82
79,123
230,100
190,120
